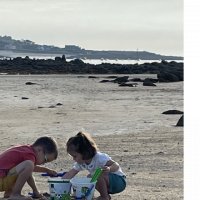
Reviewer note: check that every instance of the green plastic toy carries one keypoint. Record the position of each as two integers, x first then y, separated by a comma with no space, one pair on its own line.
96,175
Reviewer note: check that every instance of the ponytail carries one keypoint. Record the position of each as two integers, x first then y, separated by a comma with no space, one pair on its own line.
82,143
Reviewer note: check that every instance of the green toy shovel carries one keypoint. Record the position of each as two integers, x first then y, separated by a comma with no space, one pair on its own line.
96,174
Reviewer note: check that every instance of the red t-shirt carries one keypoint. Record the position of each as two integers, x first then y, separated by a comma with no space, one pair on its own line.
15,155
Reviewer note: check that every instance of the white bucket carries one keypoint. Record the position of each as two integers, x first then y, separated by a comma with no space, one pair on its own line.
82,187
59,188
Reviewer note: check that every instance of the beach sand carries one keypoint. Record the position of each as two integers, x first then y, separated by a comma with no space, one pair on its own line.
126,123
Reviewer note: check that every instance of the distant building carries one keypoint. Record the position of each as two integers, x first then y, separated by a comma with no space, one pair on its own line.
41,48
9,47
73,48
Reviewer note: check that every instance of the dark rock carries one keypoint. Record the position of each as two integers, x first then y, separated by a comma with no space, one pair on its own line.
112,77
63,58
160,153
167,77
104,81
77,62
52,106
172,112
153,80
148,83
126,85
60,59
180,121
30,83
123,79
25,98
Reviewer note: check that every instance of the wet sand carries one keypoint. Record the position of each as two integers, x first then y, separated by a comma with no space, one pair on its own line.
126,123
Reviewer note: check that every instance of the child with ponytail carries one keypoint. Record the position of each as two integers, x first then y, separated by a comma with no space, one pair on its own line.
84,152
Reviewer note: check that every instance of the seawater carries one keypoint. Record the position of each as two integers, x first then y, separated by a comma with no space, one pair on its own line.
119,61
90,61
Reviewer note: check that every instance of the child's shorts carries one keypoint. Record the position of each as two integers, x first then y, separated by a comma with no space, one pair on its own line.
116,183
7,182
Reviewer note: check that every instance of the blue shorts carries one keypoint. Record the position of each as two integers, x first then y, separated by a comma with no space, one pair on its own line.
116,183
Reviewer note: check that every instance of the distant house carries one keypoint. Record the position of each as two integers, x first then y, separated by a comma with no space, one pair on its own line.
9,47
73,48
40,48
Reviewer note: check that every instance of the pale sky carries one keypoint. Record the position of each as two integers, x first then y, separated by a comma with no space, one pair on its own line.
146,25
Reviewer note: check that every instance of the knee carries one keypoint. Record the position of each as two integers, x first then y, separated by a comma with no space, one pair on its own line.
29,165
103,179
26,165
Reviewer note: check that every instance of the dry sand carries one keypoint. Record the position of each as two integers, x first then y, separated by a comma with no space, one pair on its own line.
126,123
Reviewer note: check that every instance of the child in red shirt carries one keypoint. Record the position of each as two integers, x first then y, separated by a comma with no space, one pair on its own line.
18,163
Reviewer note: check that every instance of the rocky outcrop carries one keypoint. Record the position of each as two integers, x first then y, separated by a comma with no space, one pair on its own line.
166,71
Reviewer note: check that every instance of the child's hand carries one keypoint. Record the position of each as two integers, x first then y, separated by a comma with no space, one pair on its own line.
51,172
106,169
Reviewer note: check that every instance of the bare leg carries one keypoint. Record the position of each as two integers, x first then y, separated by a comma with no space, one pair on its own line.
32,184
24,171
36,193
7,193
102,187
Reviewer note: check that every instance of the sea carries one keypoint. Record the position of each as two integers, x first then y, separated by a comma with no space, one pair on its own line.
8,54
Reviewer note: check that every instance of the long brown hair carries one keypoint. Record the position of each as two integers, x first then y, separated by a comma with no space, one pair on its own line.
84,144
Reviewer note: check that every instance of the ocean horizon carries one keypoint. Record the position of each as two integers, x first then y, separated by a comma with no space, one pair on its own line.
8,54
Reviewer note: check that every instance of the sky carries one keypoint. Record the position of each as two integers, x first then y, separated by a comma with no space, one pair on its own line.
147,25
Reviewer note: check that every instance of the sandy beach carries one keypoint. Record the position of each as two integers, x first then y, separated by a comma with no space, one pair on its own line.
127,123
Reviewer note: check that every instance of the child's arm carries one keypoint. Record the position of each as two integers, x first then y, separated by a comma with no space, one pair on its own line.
111,166
36,193
45,169
70,174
